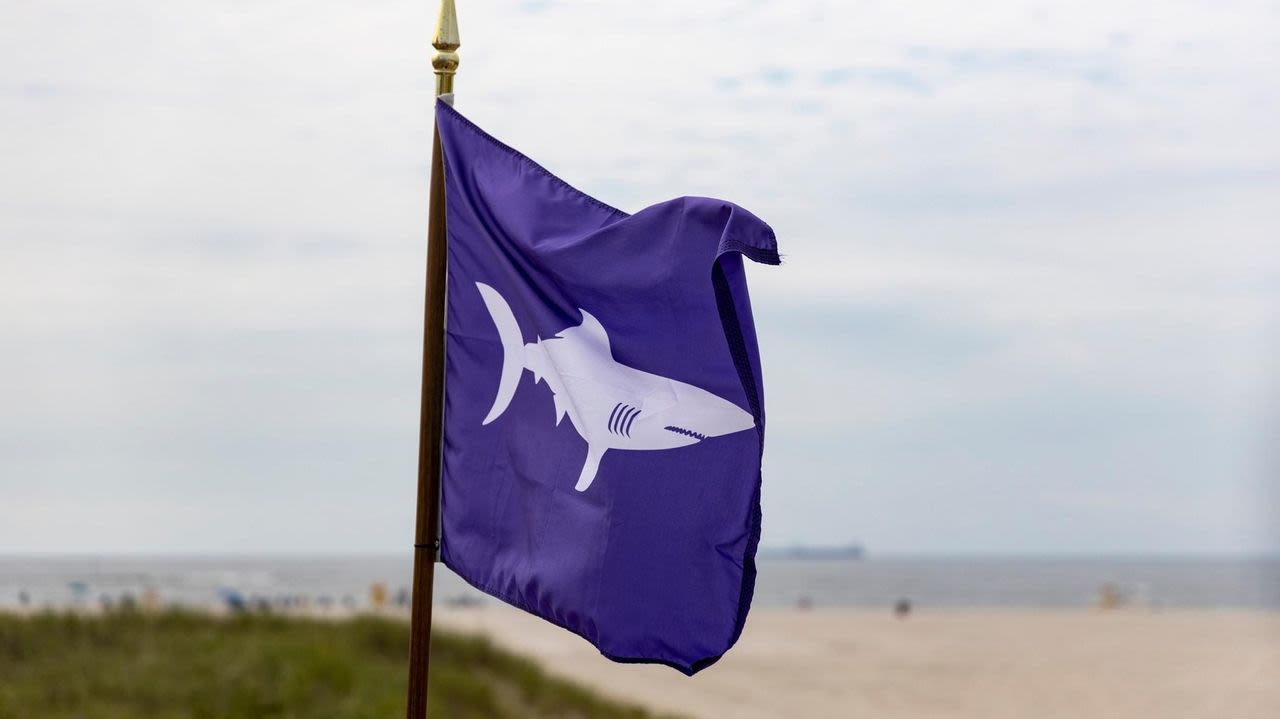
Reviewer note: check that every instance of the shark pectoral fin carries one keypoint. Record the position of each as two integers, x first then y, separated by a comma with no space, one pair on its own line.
589,469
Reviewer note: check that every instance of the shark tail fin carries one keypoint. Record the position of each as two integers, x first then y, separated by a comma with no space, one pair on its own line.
512,349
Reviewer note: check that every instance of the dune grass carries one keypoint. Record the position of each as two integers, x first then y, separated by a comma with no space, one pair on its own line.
179,665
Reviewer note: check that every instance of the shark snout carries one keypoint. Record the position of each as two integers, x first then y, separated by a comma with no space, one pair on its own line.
732,419
707,415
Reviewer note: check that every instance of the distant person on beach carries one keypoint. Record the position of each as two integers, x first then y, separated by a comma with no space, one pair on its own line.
234,600
1111,597
378,595
902,608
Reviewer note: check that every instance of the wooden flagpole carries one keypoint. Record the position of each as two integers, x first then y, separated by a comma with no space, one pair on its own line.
426,542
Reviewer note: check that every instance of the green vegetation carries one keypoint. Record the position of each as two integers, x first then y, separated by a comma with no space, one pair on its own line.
179,665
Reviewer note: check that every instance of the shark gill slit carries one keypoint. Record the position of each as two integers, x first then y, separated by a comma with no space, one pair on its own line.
619,426
614,415
626,429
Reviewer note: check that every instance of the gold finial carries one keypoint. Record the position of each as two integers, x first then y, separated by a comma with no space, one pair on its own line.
446,42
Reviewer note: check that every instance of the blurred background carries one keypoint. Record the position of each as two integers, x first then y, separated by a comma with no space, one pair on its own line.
1021,353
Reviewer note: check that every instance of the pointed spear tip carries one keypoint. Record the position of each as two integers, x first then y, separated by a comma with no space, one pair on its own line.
446,38
446,42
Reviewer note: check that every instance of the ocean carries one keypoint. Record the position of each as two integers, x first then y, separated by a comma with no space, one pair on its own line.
951,582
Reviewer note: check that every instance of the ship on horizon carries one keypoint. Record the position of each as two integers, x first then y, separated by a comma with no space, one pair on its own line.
803,551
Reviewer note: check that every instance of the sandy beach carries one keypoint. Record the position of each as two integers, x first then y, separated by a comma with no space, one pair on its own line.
944,664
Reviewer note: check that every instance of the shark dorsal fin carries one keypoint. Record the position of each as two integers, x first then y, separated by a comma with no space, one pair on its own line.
591,331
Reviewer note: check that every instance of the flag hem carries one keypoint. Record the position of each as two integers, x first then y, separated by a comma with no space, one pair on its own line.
687,670
526,159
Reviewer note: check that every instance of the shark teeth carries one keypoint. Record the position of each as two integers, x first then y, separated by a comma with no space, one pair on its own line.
686,432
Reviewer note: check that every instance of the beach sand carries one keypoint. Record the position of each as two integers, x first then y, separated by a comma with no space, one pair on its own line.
941,664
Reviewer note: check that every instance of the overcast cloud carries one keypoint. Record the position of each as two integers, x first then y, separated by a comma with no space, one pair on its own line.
1029,302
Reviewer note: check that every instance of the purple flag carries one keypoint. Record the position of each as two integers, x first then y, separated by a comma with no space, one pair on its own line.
604,409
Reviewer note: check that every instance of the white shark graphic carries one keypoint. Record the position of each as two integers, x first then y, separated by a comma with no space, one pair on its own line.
611,405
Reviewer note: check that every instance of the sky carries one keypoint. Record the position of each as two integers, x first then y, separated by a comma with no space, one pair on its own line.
1029,302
